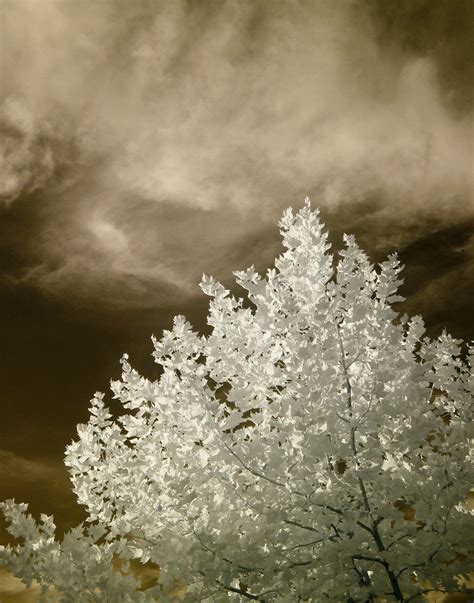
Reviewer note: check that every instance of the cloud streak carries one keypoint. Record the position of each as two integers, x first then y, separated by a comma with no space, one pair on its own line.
163,135
49,477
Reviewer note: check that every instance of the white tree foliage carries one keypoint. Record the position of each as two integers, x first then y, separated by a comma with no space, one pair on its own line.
77,569
276,458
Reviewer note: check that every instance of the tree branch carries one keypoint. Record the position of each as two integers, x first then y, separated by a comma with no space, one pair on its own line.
239,591
299,525
374,529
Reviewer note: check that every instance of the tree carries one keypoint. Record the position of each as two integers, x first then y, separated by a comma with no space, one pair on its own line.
314,446
78,569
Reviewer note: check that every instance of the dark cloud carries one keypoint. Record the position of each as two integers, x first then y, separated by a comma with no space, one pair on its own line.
42,481
439,280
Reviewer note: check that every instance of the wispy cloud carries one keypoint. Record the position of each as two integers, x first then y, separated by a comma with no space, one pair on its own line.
44,480
440,280
163,134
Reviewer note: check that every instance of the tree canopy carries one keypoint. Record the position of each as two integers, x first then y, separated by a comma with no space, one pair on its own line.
315,446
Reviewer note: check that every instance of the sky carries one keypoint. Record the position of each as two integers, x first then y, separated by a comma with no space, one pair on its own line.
146,143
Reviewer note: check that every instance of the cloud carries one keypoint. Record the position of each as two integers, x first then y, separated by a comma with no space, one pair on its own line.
43,481
191,125
25,162
13,466
12,589
443,278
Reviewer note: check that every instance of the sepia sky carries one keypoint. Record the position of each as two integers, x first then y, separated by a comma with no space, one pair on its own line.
147,142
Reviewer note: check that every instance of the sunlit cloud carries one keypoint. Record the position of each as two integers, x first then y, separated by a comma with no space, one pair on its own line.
123,114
